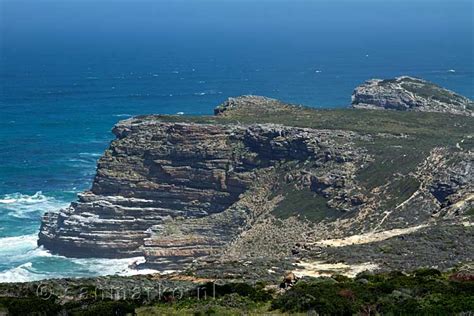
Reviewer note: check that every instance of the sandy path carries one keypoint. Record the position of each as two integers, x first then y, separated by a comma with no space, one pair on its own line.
368,237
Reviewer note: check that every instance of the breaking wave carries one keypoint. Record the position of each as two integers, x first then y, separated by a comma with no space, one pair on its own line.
15,244
27,262
41,265
21,260
28,206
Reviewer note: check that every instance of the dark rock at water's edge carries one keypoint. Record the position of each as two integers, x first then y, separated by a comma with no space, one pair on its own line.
410,94
263,180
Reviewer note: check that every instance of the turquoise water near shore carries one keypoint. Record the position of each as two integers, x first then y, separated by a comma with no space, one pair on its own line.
71,70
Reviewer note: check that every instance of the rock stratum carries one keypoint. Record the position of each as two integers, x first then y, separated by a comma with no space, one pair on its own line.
410,94
264,181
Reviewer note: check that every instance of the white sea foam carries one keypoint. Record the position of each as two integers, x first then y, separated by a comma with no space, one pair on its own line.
123,267
25,206
122,115
18,243
28,271
91,154
21,249
22,198
18,252
22,273
28,262
207,92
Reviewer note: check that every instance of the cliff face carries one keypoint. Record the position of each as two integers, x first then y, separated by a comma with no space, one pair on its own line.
233,186
410,94
156,171
151,172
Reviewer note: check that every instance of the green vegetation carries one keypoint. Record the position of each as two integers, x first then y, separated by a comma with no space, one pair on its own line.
211,299
29,306
305,203
425,292
386,82
436,125
107,308
231,305
470,212
37,306
400,190
422,292
397,141
426,90
394,133
432,91
392,155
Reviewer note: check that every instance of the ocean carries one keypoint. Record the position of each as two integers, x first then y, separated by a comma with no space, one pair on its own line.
71,69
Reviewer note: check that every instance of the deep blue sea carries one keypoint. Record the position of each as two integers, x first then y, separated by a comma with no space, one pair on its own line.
69,70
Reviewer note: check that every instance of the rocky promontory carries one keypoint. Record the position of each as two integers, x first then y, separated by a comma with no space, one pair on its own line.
410,94
156,172
262,180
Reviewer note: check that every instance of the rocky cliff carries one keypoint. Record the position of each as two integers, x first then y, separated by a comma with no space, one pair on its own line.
410,94
266,180
159,171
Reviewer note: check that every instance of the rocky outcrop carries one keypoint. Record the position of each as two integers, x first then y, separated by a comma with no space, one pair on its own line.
250,102
410,94
153,171
449,177
156,174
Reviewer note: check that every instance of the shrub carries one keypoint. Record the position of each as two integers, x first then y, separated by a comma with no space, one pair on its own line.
425,292
427,272
30,306
109,308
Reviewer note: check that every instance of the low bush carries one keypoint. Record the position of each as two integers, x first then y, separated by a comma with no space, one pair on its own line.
425,292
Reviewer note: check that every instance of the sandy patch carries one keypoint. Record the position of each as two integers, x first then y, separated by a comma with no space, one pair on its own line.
461,203
319,268
367,237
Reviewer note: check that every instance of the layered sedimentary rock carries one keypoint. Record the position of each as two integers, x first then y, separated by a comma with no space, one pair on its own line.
151,172
410,94
156,172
